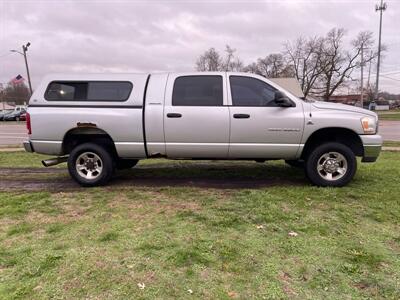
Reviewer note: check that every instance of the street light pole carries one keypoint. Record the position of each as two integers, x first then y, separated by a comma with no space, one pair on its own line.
25,49
382,7
23,53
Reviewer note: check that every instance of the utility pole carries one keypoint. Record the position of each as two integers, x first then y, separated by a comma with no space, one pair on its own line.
23,53
382,7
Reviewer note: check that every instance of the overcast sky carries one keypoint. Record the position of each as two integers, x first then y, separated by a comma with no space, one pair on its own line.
148,36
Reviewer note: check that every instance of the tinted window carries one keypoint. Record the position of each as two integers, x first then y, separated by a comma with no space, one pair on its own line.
247,91
198,91
89,91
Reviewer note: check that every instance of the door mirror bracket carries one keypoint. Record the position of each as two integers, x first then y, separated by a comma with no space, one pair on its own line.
282,100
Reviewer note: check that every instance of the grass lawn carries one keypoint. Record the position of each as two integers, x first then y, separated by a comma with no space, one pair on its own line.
389,116
391,143
286,240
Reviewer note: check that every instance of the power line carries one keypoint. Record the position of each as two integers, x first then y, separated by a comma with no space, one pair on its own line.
387,77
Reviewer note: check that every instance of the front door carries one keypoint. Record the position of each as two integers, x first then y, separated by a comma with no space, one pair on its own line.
196,117
260,128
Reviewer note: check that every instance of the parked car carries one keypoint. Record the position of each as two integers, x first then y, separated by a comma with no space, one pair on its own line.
15,115
4,112
99,122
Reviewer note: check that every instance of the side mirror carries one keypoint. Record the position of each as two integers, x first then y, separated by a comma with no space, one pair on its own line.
282,100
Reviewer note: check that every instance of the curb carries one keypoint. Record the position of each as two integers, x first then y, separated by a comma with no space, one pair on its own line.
11,149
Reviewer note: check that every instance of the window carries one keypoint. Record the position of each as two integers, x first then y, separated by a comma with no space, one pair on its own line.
203,90
248,91
88,91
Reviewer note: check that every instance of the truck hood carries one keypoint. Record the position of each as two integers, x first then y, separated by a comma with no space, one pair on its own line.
342,107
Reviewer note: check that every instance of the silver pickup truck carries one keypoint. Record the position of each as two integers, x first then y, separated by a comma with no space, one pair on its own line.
102,122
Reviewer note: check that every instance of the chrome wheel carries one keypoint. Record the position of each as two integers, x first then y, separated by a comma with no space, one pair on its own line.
332,166
89,165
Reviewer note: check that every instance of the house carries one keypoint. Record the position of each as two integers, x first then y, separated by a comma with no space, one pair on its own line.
352,99
290,84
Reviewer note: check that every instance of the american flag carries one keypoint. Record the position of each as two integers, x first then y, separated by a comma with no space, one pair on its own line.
17,80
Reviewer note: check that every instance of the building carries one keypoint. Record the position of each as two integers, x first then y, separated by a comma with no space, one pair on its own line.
352,99
290,84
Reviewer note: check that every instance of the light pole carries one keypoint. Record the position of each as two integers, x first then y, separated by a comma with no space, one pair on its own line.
382,7
23,53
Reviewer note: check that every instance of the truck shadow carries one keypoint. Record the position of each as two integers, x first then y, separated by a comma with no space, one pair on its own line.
202,174
221,174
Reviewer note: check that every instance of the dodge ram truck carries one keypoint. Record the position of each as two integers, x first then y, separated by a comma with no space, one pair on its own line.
101,122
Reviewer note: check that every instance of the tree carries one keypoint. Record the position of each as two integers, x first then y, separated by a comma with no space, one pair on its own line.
305,57
232,63
273,65
211,60
339,63
16,93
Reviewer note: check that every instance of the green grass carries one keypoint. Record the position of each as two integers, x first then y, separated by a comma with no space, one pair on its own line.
391,143
389,116
219,243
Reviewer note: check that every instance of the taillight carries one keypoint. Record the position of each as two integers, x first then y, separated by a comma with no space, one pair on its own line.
28,123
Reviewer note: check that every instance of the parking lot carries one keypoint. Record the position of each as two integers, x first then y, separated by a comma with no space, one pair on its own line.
12,133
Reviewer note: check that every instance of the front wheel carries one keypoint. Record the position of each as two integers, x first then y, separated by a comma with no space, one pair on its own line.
90,165
331,164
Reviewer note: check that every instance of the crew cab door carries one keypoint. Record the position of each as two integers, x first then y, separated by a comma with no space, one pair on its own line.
259,127
196,117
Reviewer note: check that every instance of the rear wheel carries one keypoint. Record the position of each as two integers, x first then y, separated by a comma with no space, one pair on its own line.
123,164
331,164
90,165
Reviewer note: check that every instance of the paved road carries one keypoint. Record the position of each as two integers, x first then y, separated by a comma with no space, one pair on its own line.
15,134
390,130
12,134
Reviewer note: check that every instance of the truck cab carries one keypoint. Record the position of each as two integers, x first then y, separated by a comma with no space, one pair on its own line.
98,122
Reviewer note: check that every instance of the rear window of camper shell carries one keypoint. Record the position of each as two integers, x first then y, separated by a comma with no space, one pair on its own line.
88,91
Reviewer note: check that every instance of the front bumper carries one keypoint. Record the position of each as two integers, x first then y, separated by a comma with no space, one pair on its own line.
28,146
372,147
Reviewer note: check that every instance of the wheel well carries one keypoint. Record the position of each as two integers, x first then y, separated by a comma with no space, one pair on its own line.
341,135
77,136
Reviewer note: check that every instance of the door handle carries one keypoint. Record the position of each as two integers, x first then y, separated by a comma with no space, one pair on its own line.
174,115
241,116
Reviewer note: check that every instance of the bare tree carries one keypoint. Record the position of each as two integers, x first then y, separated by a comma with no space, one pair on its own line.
338,63
273,65
210,61
16,93
305,57
232,62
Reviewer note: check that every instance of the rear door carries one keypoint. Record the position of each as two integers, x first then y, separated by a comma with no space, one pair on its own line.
196,116
260,128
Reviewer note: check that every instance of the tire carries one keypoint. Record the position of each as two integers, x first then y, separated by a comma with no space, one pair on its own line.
295,163
333,158
123,164
95,163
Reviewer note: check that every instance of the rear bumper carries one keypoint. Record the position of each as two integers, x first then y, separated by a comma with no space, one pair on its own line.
28,146
372,147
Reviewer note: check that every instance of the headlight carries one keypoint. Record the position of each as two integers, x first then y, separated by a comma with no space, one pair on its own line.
369,125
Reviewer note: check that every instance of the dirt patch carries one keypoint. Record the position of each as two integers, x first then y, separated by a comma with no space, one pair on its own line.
40,179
